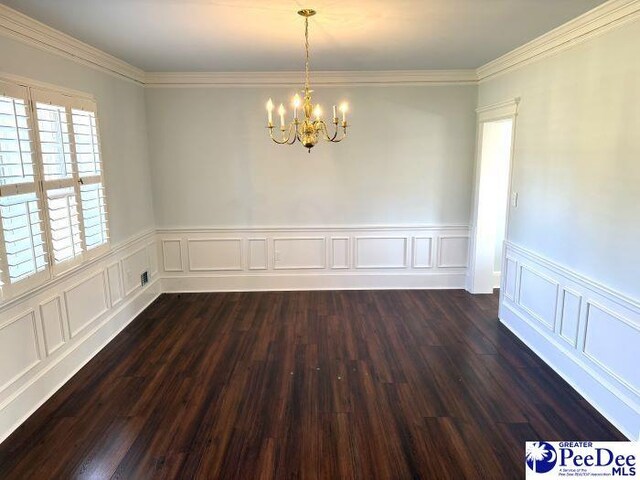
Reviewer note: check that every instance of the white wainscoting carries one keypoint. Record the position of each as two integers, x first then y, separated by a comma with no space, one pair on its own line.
303,258
587,333
47,335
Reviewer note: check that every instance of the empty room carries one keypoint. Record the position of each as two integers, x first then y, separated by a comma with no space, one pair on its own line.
333,240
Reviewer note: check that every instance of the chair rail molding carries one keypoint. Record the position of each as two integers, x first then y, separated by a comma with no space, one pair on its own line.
572,322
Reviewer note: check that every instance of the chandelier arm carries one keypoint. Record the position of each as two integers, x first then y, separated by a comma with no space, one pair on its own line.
293,133
322,128
279,142
344,134
334,138
335,134
326,135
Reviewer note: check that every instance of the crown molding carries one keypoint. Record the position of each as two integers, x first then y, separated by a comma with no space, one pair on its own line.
16,25
326,78
601,19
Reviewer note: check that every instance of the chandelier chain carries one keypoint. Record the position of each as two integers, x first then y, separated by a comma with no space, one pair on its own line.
306,47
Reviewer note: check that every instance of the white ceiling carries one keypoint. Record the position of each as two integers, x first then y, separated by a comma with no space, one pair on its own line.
267,35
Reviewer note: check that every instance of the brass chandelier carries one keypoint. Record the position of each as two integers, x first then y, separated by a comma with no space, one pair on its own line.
308,130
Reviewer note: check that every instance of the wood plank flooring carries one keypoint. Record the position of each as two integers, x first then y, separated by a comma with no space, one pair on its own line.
309,385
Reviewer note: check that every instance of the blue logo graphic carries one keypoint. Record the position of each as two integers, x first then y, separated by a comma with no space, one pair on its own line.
541,457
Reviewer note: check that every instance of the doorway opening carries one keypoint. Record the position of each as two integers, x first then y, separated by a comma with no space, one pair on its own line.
492,192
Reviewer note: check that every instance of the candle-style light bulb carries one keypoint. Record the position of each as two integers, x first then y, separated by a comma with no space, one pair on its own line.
317,112
335,115
344,108
281,112
296,105
270,111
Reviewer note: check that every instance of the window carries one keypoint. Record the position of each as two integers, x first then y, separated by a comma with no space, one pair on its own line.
53,211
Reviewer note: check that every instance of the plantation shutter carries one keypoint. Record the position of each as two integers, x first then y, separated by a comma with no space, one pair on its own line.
53,211
72,176
92,196
23,256
60,181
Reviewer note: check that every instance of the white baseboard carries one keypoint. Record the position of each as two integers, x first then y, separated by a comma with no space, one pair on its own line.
583,330
292,282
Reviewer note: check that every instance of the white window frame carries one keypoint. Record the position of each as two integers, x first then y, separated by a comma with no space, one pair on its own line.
32,92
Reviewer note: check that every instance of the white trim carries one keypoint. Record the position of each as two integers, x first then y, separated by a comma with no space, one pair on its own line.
405,253
583,344
276,282
50,349
320,78
496,279
586,282
265,243
65,293
236,268
589,385
507,109
551,324
276,260
601,19
29,313
25,82
32,32
498,111
612,393
310,228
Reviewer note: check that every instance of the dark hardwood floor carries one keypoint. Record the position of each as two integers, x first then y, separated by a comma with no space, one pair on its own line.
313,385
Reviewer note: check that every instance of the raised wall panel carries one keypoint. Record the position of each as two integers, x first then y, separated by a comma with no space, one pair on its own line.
172,255
381,252
570,316
152,258
453,251
422,252
85,302
340,252
116,290
538,295
19,351
132,268
510,272
52,325
614,344
214,254
299,253
258,254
